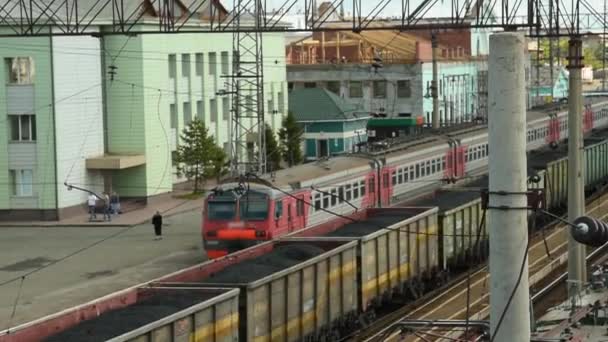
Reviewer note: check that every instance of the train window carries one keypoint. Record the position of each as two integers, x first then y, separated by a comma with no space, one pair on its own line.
433,165
386,184
443,162
355,191
341,194
300,207
372,185
405,175
417,171
362,185
334,197
317,201
221,210
466,156
412,173
326,201
278,209
400,176
428,167
348,193
394,173
254,206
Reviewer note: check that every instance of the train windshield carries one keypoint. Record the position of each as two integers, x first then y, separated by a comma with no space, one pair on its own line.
221,210
253,206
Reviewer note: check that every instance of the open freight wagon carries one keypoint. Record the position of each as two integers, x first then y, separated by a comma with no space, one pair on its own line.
290,289
141,314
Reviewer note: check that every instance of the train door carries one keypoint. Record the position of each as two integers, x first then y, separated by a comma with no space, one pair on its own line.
460,161
290,218
448,171
387,186
372,197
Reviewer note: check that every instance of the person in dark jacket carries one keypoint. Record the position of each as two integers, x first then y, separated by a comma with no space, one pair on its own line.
157,221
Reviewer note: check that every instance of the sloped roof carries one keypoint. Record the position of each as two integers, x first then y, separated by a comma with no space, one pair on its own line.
400,43
544,73
316,104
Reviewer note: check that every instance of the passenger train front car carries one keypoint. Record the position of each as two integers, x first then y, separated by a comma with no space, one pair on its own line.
330,191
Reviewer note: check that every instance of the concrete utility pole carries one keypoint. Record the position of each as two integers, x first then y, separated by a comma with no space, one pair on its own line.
577,272
434,88
508,227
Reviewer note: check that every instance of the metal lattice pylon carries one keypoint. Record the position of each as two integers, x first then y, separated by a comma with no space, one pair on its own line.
248,152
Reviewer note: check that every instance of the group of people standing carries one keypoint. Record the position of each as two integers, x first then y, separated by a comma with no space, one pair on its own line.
111,205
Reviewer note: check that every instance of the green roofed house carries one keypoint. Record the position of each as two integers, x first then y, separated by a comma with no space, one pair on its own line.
331,125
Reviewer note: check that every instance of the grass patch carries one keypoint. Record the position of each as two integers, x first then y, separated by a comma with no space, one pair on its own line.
191,196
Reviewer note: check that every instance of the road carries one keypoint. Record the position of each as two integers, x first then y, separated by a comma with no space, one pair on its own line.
125,260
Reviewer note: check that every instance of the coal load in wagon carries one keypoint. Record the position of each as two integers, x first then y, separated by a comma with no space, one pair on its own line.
369,225
280,258
450,199
120,321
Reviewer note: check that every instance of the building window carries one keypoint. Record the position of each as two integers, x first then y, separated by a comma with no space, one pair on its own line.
225,63
21,182
213,109
270,108
212,63
380,89
172,66
173,114
22,127
355,89
200,110
404,89
334,87
198,64
187,113
20,70
225,108
289,86
310,85
186,65
281,102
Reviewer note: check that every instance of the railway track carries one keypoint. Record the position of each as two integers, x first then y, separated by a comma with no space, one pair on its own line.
450,302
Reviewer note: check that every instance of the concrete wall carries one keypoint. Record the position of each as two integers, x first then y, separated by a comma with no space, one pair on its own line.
79,119
42,158
391,104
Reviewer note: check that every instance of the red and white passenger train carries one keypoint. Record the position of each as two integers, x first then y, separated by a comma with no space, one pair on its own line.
293,198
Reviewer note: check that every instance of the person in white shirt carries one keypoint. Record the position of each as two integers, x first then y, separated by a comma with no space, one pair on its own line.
92,201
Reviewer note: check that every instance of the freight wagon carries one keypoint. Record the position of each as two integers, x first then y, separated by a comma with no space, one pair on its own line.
551,165
396,252
238,215
142,313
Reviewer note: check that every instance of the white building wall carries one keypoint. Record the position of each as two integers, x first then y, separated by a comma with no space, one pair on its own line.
320,74
79,119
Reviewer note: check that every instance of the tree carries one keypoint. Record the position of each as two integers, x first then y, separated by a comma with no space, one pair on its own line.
198,158
273,153
289,136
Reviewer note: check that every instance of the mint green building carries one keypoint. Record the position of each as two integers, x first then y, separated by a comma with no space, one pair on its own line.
331,125
104,113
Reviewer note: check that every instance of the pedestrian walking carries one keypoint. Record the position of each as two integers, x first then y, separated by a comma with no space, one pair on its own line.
106,207
115,203
92,202
157,221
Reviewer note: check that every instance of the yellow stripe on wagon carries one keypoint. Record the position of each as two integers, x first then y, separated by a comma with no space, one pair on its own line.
307,320
216,330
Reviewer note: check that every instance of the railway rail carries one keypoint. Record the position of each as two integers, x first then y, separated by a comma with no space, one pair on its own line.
545,256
